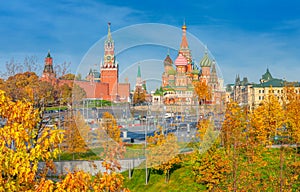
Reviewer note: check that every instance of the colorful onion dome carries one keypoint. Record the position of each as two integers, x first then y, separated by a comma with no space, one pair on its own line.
205,62
180,60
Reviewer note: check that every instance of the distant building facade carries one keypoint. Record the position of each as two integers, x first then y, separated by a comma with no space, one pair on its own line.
252,94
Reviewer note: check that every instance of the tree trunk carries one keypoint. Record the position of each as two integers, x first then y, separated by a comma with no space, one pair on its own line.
281,168
167,176
234,187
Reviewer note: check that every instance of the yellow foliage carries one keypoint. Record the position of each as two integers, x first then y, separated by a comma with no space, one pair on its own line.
292,113
77,182
162,152
266,119
108,181
210,168
109,125
234,126
203,91
22,144
77,134
139,95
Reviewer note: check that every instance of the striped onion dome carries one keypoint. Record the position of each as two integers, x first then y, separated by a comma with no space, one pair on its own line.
180,60
205,62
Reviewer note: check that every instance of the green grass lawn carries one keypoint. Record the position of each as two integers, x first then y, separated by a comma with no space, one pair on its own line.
180,180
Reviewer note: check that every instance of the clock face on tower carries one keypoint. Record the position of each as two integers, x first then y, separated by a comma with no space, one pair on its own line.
108,57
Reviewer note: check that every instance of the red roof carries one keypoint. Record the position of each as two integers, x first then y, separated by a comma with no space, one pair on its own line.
184,42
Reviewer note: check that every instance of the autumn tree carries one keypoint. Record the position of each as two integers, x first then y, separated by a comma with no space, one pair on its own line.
68,76
206,134
78,94
268,119
13,67
292,111
211,168
268,124
75,181
210,165
234,126
236,163
162,152
113,150
233,137
109,179
139,95
28,86
291,136
110,127
64,94
22,145
78,77
202,91
31,64
2,84
77,134
62,69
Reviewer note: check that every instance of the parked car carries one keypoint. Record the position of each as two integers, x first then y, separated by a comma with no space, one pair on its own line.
193,125
182,126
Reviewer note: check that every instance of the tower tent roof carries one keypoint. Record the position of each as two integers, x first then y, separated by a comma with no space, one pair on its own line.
139,72
168,60
48,55
109,38
184,42
267,76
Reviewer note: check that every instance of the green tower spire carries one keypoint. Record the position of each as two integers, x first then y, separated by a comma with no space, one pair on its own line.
48,55
139,72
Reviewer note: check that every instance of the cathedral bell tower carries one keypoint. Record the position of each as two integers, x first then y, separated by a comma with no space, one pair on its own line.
184,49
109,68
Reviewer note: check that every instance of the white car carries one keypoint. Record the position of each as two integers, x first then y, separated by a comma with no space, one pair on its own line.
167,115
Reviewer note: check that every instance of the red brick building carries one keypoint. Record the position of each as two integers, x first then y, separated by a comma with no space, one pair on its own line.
108,87
104,85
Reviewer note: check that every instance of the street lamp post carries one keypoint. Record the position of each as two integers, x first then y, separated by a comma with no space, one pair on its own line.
146,168
101,100
59,124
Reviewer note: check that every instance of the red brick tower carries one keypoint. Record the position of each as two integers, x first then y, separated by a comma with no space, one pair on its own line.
109,68
48,72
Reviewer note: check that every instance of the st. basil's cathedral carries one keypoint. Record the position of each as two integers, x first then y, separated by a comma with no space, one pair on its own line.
178,78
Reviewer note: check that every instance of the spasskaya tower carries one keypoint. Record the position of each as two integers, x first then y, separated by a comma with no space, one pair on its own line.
109,67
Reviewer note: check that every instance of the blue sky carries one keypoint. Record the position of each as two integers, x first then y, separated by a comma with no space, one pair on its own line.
244,37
